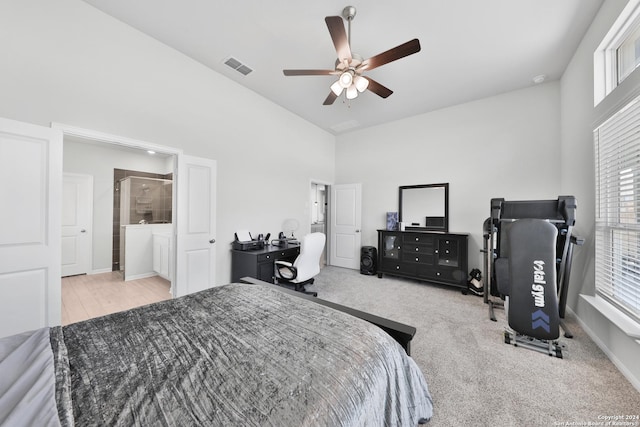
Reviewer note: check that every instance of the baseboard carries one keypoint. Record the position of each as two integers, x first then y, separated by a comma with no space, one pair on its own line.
140,276
635,382
100,271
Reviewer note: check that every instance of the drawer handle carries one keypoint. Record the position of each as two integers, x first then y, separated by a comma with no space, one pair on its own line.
268,256
438,273
417,259
436,251
417,239
397,267
417,249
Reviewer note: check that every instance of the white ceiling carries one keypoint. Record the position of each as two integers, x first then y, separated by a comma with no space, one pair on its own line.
471,49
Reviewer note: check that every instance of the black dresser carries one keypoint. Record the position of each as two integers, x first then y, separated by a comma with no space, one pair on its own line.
259,263
435,257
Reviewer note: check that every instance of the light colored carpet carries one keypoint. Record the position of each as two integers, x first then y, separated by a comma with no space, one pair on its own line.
476,379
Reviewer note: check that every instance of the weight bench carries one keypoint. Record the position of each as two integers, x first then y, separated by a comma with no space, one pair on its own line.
528,252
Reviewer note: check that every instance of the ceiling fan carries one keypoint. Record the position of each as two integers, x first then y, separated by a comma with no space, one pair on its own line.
350,66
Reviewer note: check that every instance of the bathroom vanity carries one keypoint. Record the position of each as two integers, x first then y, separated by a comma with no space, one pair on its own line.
145,250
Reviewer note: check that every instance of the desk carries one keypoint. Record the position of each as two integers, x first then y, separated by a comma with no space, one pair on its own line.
259,263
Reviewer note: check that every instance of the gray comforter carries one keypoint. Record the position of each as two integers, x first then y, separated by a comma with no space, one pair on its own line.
238,354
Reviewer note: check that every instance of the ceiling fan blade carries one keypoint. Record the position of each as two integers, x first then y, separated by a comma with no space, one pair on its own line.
309,72
339,37
405,49
378,89
332,97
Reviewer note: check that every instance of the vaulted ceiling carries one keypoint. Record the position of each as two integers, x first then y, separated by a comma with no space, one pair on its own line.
470,49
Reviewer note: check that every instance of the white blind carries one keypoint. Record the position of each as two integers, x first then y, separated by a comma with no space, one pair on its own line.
617,156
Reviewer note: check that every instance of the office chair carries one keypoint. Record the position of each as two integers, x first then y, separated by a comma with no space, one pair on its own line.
305,267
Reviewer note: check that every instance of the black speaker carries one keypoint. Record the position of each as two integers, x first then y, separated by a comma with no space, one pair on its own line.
368,260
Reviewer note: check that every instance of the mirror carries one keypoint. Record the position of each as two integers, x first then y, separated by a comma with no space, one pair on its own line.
424,207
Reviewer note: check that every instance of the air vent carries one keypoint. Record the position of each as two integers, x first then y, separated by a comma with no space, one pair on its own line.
238,66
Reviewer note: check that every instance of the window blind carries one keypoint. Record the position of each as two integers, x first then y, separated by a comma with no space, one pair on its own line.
617,158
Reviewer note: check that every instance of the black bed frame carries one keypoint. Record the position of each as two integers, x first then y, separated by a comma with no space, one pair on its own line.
402,333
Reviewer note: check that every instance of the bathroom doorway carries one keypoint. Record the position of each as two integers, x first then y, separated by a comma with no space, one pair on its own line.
104,161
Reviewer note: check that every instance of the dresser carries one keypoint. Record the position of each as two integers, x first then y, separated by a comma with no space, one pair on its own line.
435,257
259,263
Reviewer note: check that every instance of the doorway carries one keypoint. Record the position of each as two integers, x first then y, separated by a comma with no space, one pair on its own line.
192,251
319,208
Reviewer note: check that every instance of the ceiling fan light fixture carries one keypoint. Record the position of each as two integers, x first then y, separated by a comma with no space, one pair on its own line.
346,79
337,88
361,83
352,92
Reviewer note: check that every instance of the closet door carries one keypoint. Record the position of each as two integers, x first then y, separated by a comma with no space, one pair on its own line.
30,226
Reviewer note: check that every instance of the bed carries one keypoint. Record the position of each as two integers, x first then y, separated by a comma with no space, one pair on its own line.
238,354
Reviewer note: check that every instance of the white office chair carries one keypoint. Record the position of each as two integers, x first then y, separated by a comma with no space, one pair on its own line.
305,267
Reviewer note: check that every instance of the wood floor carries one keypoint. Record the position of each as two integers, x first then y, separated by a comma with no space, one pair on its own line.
88,296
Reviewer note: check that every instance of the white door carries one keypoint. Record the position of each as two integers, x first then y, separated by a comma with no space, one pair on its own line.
196,218
77,223
30,172
346,219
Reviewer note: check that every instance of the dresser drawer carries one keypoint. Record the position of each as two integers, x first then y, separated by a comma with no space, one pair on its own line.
412,248
417,238
392,266
448,248
417,258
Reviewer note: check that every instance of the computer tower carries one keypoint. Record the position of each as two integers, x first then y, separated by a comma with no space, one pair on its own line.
368,260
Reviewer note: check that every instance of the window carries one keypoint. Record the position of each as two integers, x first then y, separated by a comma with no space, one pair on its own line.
628,55
617,156
619,53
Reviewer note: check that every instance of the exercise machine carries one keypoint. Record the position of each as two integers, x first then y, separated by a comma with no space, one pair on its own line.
528,249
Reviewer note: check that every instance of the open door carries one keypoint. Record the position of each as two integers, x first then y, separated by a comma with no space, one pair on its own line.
30,226
196,220
346,220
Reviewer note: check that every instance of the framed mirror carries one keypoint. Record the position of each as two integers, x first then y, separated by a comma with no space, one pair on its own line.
424,207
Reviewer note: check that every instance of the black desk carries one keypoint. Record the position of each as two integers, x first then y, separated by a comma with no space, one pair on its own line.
259,263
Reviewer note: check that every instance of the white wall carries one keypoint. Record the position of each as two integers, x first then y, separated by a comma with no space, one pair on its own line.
504,146
99,162
579,118
64,61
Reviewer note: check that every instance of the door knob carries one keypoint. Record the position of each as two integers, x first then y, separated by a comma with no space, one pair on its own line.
212,241
357,231
83,231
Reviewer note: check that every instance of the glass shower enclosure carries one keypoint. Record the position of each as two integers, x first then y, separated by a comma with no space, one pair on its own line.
145,200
